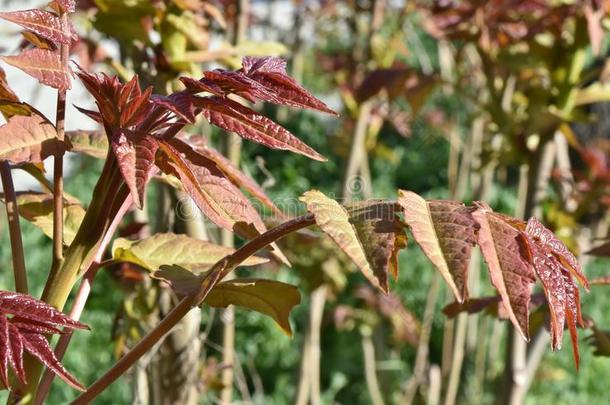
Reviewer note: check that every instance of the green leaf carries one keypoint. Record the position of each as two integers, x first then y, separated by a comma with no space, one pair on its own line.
167,248
269,297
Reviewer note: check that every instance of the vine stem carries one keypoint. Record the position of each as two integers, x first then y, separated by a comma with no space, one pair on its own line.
12,213
58,163
219,271
80,300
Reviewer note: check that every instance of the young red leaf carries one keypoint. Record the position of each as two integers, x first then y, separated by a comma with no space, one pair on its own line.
25,330
5,351
30,139
28,308
555,265
16,352
511,273
43,23
38,346
222,202
135,155
28,325
233,173
435,226
44,65
234,117
202,86
546,237
279,88
179,103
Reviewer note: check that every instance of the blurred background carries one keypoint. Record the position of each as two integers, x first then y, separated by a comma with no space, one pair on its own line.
504,101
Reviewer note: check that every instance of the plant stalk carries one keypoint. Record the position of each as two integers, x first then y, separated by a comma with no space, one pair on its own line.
12,214
79,302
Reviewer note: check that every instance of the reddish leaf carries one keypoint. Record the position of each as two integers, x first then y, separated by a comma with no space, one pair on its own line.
335,221
233,173
509,269
555,265
38,346
16,353
557,247
234,117
5,351
264,64
27,307
202,86
179,103
279,88
28,139
222,202
434,225
136,157
43,23
44,65
29,325
25,330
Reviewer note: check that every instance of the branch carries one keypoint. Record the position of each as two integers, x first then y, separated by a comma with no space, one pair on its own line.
219,271
12,213
58,163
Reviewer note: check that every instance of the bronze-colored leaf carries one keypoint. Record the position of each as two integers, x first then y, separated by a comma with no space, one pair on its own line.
381,235
334,220
167,249
504,250
43,64
30,139
446,233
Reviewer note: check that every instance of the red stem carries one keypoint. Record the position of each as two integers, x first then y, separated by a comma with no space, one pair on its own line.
12,213
81,299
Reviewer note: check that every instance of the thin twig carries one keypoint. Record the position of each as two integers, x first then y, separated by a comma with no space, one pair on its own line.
12,213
